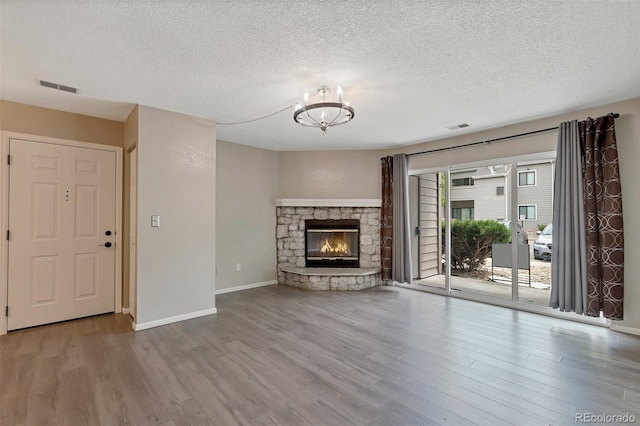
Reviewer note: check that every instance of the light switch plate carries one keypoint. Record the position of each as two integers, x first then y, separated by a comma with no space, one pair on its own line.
155,221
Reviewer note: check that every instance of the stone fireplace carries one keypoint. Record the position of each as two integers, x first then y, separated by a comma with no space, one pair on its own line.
337,269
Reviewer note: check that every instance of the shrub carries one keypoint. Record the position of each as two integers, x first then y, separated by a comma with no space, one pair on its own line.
471,242
541,226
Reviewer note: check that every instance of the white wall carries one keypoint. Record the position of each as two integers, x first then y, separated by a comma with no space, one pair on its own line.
176,180
246,190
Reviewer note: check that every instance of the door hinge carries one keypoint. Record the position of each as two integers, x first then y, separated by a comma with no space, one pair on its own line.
8,233
6,311
9,159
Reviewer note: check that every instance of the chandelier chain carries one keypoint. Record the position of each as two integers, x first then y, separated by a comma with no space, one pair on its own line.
256,119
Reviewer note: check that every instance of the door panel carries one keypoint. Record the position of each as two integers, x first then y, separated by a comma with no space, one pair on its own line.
429,225
45,214
44,280
86,275
61,203
87,211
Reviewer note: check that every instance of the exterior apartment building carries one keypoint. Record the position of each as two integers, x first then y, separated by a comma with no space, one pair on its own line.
485,193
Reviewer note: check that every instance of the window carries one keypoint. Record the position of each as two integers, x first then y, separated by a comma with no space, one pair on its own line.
468,181
527,212
462,213
499,190
527,178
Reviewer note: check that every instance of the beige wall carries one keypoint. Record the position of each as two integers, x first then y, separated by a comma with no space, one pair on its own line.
246,189
356,174
628,137
33,120
520,146
329,174
317,174
176,180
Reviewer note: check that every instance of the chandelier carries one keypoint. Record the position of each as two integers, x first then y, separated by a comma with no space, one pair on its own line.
323,113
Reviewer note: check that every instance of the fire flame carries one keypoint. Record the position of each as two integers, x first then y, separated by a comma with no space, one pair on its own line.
339,248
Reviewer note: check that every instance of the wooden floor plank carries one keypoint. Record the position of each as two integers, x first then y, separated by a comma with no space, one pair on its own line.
282,356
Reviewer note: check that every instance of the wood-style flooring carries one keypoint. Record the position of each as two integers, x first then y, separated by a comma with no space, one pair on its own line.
282,356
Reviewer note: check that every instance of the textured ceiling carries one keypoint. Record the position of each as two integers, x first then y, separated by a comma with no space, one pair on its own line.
410,69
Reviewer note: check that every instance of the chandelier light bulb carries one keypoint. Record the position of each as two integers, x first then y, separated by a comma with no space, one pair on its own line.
322,110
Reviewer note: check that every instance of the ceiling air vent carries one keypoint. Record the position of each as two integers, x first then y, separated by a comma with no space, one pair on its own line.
58,86
458,126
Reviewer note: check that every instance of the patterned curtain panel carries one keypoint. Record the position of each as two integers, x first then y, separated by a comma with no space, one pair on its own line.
603,206
386,220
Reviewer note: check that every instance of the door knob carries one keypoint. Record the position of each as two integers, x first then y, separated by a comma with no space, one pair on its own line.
107,244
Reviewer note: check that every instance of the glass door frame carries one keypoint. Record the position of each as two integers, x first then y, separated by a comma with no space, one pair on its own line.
514,302
512,162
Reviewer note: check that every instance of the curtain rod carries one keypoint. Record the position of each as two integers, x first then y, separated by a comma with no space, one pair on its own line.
488,141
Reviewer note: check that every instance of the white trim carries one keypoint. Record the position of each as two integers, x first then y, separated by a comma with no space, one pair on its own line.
125,311
58,141
4,207
119,228
246,287
625,329
4,244
171,320
328,202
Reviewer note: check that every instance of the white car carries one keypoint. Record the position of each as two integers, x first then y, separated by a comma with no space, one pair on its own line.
542,244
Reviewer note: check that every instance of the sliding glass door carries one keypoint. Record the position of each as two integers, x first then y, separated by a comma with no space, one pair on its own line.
495,212
480,207
535,210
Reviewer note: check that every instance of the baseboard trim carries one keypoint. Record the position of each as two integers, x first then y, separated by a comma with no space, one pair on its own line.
246,287
171,320
125,311
625,329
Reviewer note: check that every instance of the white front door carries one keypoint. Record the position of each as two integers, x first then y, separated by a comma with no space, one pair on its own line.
62,222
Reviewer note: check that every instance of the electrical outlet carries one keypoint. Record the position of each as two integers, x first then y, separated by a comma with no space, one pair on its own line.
238,267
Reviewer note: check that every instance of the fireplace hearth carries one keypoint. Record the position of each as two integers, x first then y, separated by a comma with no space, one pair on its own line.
332,243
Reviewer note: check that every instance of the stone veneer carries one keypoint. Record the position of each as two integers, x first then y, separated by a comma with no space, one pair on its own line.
290,238
331,278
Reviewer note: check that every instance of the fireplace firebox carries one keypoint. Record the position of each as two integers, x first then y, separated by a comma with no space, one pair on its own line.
332,243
